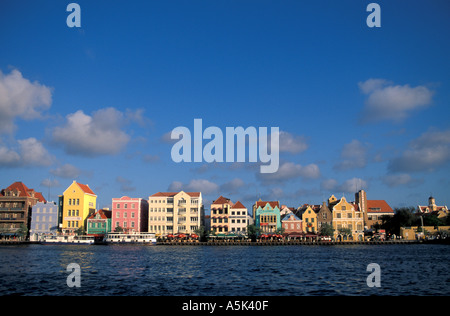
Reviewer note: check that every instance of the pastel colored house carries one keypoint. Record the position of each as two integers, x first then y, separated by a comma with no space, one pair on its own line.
44,220
292,225
309,217
220,212
99,223
175,212
130,214
266,215
78,202
346,216
238,219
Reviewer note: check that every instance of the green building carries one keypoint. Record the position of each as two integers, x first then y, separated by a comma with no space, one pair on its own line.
266,215
99,223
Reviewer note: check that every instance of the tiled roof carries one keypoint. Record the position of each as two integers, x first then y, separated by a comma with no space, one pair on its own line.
170,194
222,200
24,191
85,188
381,204
238,204
272,204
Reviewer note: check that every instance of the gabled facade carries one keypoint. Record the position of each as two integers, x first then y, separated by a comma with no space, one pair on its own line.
309,217
175,212
291,224
220,213
130,214
78,203
238,218
99,223
266,215
347,216
324,216
16,202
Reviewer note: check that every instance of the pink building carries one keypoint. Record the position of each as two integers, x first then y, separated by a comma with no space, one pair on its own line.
131,214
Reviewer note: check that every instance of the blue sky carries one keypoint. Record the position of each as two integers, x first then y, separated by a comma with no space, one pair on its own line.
357,107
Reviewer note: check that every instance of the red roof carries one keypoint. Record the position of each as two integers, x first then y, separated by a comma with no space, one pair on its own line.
381,204
85,188
238,204
169,194
24,191
222,200
272,204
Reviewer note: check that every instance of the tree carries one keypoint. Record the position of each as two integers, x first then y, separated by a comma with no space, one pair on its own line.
118,229
80,231
326,230
202,233
253,232
22,232
346,232
403,217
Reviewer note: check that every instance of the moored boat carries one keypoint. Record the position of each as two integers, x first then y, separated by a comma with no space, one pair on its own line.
68,239
139,238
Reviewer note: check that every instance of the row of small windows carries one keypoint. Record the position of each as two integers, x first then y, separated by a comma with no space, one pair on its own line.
74,201
125,205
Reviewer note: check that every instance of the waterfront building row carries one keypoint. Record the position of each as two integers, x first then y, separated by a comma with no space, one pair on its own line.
165,213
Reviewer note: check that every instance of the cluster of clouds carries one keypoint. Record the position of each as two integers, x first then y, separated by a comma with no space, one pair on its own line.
104,132
386,101
82,134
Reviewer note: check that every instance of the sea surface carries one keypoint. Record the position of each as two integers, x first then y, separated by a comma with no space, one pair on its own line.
129,270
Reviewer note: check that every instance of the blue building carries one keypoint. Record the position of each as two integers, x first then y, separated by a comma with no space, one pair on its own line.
44,220
266,215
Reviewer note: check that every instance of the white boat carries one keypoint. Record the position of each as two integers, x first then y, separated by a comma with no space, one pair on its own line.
142,238
69,239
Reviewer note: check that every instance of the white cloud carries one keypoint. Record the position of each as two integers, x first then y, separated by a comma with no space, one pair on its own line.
426,153
290,170
20,98
125,184
232,186
195,185
50,183
66,171
348,186
353,156
29,152
392,102
99,134
394,180
292,143
202,185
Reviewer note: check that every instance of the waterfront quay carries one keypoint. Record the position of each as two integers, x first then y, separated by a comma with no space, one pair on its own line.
287,243
266,243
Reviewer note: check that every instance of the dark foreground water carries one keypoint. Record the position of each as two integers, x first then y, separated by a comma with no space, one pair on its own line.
232,271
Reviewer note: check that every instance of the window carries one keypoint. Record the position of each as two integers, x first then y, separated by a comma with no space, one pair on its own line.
349,215
118,205
118,215
125,205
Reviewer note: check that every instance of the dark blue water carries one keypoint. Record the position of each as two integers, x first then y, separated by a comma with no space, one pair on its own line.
220,270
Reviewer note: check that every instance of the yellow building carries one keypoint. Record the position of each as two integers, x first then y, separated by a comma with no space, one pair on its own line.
348,220
78,203
309,217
